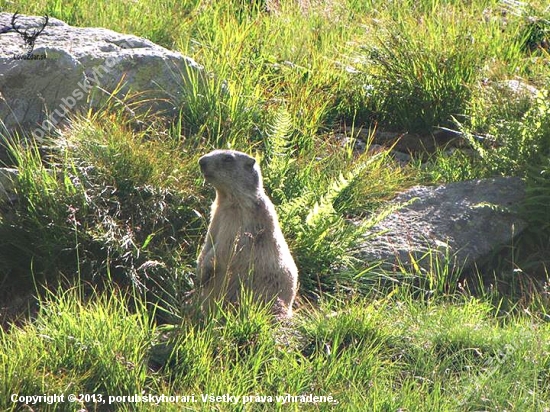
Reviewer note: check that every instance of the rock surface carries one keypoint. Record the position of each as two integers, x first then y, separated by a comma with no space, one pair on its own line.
71,68
460,223
518,88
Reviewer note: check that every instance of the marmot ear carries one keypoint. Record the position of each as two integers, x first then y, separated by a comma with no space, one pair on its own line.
250,162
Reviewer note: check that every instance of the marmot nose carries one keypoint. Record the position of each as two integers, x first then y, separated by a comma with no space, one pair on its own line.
202,164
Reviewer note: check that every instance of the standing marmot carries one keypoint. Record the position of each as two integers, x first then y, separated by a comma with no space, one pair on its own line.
244,246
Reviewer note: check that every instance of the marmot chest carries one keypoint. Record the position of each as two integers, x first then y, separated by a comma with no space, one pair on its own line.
238,230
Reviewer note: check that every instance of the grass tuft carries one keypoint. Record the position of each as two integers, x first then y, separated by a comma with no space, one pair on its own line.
112,209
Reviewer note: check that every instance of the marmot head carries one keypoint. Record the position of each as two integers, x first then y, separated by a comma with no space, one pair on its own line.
232,173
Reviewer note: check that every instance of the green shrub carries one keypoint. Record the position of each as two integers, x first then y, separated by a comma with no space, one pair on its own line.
513,145
103,205
314,201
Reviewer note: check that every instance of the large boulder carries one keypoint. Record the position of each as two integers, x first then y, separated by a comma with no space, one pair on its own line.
71,68
457,224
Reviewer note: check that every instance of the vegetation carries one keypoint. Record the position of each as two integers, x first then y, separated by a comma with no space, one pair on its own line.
112,211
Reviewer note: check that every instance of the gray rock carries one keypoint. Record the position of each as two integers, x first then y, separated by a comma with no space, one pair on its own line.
518,88
72,68
458,224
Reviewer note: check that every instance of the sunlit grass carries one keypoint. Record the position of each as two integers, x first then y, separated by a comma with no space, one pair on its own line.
117,207
392,352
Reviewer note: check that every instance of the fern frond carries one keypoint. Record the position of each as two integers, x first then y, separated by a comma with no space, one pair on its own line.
279,153
324,207
278,143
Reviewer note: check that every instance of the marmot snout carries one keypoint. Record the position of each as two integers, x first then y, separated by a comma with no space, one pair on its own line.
244,247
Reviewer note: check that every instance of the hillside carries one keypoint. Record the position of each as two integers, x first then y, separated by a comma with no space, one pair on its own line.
97,256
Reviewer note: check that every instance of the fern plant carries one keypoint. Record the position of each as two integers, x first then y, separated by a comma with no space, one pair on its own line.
321,237
279,154
520,144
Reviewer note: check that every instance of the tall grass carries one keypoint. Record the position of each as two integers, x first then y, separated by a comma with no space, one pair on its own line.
77,347
387,353
103,205
419,67
117,199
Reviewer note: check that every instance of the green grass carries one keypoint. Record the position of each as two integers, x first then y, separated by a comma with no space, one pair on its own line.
112,212
387,353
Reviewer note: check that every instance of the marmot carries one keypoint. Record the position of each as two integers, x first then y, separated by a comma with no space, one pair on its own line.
244,247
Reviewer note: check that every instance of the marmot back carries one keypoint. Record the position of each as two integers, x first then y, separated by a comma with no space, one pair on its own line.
244,247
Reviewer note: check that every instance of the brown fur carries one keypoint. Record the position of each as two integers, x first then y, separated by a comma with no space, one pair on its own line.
244,246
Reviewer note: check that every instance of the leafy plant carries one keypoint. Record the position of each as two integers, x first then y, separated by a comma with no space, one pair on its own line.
518,143
321,237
